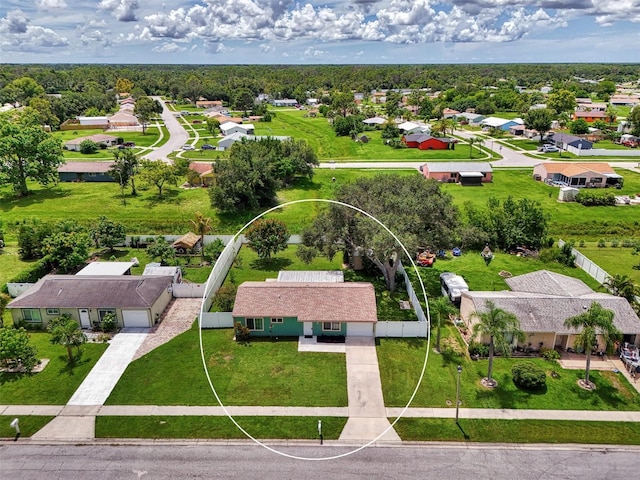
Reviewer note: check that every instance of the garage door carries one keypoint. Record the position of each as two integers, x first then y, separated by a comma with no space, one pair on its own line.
359,329
136,318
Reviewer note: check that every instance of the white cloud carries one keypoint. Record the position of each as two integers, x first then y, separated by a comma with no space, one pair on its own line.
168,48
51,4
313,52
17,35
122,10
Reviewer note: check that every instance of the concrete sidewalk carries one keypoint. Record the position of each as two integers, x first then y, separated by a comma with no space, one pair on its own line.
367,416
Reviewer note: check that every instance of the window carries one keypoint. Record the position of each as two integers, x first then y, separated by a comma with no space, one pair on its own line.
31,315
103,312
579,181
53,311
91,174
596,180
276,320
254,323
331,326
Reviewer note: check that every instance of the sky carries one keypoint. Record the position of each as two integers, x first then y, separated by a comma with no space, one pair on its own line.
312,32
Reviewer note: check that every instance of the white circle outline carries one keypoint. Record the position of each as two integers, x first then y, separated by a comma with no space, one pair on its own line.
426,357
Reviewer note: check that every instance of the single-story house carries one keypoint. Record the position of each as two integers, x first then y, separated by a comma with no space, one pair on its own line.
628,100
85,172
587,174
424,141
589,116
208,103
123,118
588,105
306,308
374,121
412,127
107,269
285,102
74,144
465,173
227,128
204,170
98,122
499,123
565,140
543,300
226,142
189,242
517,130
470,118
136,301
450,113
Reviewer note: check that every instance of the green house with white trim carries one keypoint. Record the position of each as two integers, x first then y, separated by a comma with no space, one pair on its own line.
300,308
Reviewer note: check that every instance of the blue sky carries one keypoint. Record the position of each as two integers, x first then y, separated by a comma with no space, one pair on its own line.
312,32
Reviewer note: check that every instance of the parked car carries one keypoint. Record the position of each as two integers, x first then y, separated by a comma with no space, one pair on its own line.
188,147
206,146
548,148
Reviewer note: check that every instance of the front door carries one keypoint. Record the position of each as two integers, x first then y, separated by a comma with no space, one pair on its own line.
308,329
85,322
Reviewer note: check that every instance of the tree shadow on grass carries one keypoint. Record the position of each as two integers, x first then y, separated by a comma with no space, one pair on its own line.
9,201
68,367
305,184
273,264
506,397
168,196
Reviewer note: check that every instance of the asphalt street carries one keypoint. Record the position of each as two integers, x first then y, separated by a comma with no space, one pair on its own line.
243,461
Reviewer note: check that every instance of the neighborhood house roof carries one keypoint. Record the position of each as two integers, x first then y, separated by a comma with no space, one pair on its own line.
375,121
423,137
460,167
106,268
201,167
565,138
334,276
543,300
495,121
309,302
85,167
188,240
71,291
573,169
97,138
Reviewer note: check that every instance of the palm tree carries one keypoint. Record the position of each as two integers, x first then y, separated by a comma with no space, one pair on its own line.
471,142
597,320
497,324
202,226
621,286
441,307
65,331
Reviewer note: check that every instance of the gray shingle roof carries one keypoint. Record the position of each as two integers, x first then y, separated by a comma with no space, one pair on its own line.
444,167
551,283
70,291
309,302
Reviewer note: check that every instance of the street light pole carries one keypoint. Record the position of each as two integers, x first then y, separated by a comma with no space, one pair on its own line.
458,392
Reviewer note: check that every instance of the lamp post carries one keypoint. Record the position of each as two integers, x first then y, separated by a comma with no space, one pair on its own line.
458,392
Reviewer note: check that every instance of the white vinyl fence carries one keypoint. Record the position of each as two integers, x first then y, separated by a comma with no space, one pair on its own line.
216,320
413,298
402,329
188,290
220,269
16,289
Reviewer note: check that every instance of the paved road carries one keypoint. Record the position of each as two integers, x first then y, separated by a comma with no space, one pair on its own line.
178,136
242,461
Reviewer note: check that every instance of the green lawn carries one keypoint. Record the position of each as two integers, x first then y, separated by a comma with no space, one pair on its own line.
614,260
57,382
568,220
29,424
218,427
401,361
258,373
10,263
518,431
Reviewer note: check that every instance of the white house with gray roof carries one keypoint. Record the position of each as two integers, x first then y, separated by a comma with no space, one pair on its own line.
543,300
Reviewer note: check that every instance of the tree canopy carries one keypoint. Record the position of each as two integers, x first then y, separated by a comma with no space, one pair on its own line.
28,152
540,120
416,210
65,331
15,349
108,233
267,237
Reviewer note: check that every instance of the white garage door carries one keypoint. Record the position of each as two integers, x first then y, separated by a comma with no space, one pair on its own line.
359,329
136,318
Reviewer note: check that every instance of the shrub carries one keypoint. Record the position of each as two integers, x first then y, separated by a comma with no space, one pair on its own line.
224,298
241,332
591,198
566,256
550,355
615,243
528,376
601,243
109,322
479,349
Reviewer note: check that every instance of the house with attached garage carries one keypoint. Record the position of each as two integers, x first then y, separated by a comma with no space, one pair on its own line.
227,128
74,144
307,303
542,301
500,123
137,301
423,141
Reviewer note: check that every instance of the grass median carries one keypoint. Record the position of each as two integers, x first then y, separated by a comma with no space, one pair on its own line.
305,428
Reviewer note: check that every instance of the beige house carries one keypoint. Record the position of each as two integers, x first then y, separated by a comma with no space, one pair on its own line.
543,300
138,302
574,174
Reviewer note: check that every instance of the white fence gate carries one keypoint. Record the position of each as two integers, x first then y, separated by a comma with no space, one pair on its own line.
216,320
